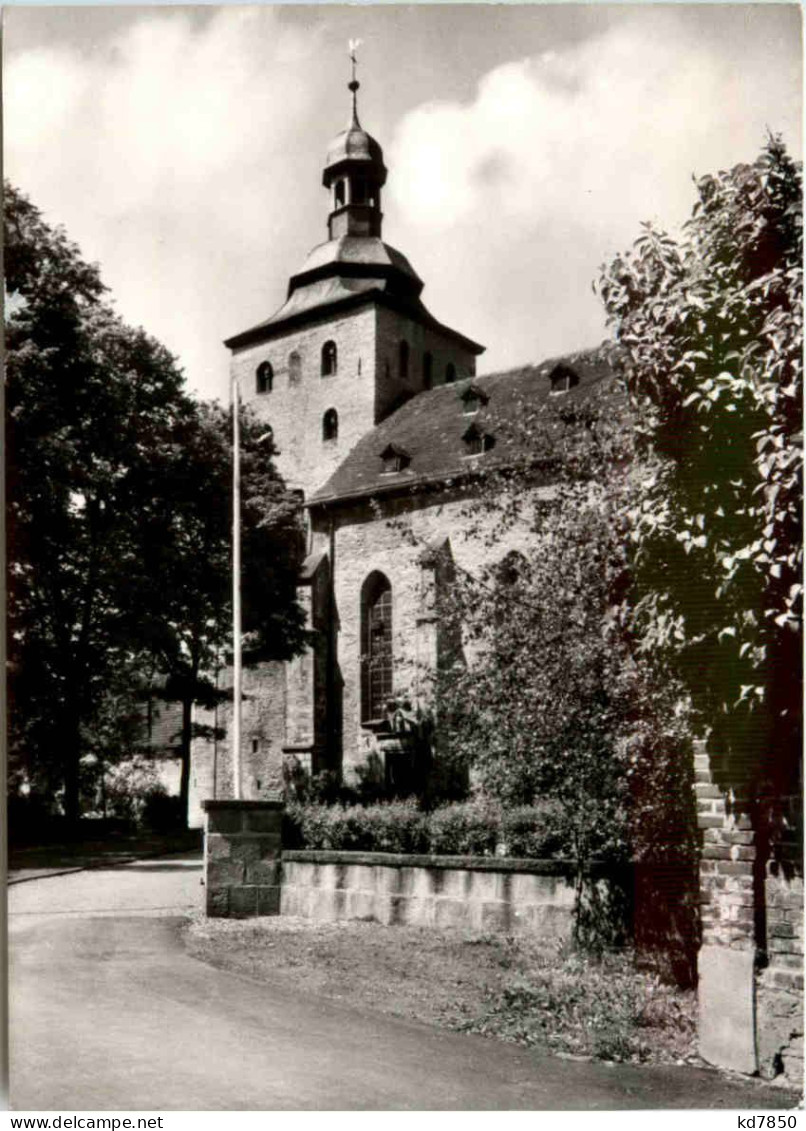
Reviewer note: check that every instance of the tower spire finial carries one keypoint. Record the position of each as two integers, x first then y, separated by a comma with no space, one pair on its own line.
354,84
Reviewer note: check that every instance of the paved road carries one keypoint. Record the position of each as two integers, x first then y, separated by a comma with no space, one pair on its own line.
109,1012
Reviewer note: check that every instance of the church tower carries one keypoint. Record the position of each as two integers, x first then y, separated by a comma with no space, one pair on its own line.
353,339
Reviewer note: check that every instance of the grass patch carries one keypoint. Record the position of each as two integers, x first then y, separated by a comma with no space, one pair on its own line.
529,991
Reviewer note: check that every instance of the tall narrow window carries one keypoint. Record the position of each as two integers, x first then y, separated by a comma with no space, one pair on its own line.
264,377
376,646
294,368
339,193
330,425
428,371
403,360
329,359
450,373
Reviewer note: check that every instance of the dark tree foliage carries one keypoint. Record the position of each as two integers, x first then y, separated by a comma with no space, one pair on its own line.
550,701
118,524
712,329
186,566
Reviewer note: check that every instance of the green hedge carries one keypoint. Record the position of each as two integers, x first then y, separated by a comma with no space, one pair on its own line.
469,828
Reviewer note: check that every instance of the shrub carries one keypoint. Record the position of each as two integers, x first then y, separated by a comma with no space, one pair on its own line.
395,826
467,828
534,831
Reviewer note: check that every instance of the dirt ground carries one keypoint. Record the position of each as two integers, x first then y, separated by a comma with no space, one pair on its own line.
531,991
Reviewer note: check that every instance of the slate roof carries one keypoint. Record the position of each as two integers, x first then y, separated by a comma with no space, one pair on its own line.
430,427
343,273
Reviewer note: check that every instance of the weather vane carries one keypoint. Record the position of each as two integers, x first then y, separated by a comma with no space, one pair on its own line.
354,44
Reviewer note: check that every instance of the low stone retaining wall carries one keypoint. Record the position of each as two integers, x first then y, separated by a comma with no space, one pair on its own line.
476,892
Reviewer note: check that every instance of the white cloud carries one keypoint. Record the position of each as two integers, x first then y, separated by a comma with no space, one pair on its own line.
557,159
626,116
183,152
162,155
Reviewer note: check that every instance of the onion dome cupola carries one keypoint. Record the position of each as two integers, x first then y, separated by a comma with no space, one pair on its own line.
355,174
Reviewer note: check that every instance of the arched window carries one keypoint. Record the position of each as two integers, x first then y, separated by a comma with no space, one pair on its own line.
428,371
403,360
330,425
294,368
376,646
264,377
450,373
329,359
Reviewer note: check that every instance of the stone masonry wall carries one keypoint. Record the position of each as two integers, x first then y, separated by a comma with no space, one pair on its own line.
393,327
262,737
295,412
242,847
750,987
368,539
530,897
365,388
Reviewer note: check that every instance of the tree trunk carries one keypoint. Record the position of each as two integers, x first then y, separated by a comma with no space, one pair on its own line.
184,780
71,756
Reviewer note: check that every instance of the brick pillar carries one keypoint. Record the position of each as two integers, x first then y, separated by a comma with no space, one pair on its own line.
726,962
242,854
779,987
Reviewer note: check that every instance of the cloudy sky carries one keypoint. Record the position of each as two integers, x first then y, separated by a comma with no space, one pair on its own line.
182,148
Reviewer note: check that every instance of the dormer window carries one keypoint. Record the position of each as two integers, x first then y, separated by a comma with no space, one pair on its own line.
477,442
450,373
395,459
329,359
264,378
473,398
563,378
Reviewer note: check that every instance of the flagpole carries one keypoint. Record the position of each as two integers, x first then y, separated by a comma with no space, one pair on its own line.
236,592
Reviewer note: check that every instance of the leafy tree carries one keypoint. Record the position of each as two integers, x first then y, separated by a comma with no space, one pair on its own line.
89,402
712,332
551,701
118,527
187,560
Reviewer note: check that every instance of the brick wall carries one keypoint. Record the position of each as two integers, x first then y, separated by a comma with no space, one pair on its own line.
779,988
751,960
